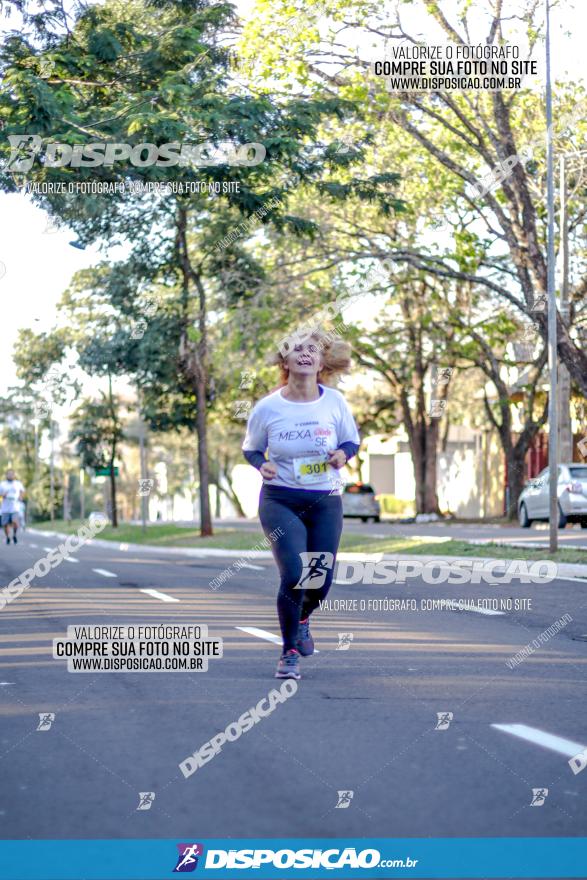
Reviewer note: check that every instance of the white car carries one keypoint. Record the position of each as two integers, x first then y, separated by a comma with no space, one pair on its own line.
533,504
358,500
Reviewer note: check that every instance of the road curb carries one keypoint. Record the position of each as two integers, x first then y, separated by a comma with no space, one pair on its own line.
478,542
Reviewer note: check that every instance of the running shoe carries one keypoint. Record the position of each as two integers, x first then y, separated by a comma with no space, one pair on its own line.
14,541
305,642
8,540
289,665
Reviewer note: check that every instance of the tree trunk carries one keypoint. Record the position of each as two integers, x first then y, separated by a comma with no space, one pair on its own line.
202,432
573,357
194,362
430,467
515,458
423,440
515,453
419,464
114,512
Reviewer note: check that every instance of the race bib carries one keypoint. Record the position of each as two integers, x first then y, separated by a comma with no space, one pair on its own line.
311,469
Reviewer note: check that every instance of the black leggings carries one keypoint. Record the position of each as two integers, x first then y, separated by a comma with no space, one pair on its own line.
298,521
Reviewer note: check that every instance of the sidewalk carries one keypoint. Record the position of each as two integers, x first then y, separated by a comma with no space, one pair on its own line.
565,569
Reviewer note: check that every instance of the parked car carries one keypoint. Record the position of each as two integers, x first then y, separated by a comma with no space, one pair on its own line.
358,500
533,504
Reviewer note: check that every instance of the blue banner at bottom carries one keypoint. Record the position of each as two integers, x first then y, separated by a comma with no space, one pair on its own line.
302,858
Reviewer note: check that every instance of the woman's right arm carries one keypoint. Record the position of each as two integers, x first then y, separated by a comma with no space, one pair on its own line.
255,444
255,457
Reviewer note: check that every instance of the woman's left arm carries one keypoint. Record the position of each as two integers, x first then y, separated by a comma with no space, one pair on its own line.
346,429
255,442
348,434
349,448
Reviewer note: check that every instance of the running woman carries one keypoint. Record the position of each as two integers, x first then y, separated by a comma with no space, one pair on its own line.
309,433
12,492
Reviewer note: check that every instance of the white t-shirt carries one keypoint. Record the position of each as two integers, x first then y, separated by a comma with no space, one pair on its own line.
298,435
10,491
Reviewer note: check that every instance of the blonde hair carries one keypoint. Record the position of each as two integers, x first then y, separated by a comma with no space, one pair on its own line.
334,351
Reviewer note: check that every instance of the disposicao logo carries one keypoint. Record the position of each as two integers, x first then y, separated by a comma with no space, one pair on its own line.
289,858
187,859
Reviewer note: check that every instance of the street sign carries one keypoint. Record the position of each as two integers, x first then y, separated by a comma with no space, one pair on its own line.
105,472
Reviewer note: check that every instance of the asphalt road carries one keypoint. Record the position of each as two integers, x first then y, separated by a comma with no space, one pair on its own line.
362,720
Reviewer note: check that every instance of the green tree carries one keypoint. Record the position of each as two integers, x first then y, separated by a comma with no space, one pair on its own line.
457,139
159,73
406,348
520,408
97,432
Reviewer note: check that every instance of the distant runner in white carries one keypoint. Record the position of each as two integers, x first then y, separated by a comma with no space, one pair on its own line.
12,492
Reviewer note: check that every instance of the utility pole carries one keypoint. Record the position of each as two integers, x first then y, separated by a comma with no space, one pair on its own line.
552,315
565,433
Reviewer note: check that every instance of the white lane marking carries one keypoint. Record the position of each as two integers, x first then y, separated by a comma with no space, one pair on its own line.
104,573
542,738
489,612
35,546
263,634
157,595
66,558
253,567
260,633
5,683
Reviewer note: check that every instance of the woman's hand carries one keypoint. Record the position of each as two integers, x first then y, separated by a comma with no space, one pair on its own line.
268,470
337,459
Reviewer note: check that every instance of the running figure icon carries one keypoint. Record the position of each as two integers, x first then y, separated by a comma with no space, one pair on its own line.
188,857
317,567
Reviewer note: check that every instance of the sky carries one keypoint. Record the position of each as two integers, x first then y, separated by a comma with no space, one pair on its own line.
37,262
